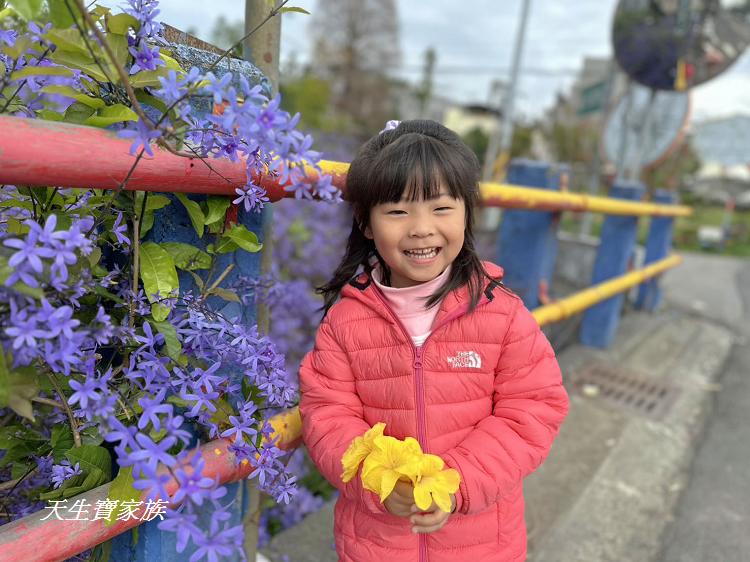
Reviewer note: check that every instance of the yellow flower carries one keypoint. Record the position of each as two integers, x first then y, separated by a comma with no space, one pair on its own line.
358,450
389,461
435,484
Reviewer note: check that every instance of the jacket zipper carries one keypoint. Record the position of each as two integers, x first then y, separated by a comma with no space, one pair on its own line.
418,391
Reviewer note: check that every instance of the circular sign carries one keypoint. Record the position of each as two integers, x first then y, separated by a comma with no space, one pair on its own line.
677,44
645,126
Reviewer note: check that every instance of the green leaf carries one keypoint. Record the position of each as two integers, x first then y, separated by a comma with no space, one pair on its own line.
95,256
79,61
61,441
146,99
27,9
22,45
159,311
18,451
195,212
146,223
171,341
40,71
187,257
148,78
103,551
60,14
121,24
95,103
119,45
217,208
102,292
68,41
100,11
122,490
171,63
95,463
78,113
111,114
92,458
197,279
16,390
243,238
294,9
225,294
157,271
156,202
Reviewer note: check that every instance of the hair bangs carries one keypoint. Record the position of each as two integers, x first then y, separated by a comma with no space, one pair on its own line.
417,167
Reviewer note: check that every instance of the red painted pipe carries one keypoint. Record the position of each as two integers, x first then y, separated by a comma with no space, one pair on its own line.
39,153
32,540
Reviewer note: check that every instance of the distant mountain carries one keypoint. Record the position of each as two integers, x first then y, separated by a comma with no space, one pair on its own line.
723,141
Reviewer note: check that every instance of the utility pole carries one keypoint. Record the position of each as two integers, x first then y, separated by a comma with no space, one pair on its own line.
425,90
498,149
262,49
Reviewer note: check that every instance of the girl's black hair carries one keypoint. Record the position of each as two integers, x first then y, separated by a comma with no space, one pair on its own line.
414,160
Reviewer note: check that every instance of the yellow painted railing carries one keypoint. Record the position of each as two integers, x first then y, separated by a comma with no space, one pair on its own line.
582,300
519,197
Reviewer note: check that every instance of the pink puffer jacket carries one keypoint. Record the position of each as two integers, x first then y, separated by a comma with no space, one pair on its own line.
484,392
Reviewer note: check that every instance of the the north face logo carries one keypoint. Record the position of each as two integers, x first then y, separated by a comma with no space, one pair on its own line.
465,360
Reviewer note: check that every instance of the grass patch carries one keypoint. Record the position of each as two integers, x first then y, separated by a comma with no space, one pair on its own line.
685,231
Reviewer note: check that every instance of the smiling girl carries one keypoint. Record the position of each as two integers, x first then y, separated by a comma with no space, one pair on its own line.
427,340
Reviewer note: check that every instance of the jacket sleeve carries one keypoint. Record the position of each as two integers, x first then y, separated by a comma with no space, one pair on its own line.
332,414
530,404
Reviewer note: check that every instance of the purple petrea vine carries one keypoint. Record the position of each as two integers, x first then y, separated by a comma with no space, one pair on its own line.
101,360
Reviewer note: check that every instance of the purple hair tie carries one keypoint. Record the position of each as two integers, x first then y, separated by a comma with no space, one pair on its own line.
392,124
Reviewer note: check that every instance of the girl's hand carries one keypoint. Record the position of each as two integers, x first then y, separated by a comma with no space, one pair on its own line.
401,500
431,520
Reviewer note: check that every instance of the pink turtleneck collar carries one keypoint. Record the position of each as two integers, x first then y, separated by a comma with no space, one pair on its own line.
408,303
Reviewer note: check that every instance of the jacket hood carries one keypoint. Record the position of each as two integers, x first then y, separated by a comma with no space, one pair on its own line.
363,289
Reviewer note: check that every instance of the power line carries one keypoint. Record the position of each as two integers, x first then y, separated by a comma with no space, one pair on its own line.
466,69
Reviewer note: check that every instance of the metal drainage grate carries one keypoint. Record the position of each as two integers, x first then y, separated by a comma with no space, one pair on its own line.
630,391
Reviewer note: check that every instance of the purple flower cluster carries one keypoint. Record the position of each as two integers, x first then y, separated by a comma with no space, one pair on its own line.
151,389
46,242
145,55
64,471
252,127
46,328
28,91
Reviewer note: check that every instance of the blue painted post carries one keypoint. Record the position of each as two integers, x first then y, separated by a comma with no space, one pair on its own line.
172,224
559,181
658,245
616,246
527,239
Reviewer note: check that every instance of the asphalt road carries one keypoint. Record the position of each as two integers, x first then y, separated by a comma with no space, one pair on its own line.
713,517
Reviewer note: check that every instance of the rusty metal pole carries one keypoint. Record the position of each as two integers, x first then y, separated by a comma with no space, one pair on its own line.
262,49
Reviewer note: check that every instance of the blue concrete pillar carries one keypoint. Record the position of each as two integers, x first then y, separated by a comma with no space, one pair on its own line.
527,242
658,245
172,224
616,247
559,181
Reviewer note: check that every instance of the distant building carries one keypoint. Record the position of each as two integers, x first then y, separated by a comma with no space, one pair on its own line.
723,145
586,102
465,118
725,141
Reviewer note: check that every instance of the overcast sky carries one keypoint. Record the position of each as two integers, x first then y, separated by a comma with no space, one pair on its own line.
474,41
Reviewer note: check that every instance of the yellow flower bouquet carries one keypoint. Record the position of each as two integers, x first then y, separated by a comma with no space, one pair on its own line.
386,460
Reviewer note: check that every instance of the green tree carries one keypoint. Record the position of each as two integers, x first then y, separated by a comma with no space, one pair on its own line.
671,172
477,140
309,96
355,47
224,34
